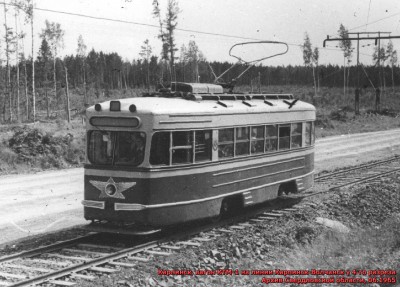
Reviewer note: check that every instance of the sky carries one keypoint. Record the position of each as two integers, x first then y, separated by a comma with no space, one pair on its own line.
232,20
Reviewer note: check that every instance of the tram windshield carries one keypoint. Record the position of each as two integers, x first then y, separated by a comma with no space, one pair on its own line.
116,148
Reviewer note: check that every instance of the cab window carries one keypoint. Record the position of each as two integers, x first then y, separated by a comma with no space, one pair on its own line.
159,152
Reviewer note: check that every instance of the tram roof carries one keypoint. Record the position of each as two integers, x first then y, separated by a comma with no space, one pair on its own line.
176,106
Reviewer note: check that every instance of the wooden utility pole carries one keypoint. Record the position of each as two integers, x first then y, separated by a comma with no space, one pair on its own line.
67,93
17,60
8,71
33,72
378,36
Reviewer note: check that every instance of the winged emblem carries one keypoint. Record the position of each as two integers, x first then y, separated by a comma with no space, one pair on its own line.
110,188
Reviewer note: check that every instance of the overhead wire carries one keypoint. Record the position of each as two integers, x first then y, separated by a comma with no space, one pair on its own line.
369,9
156,26
177,29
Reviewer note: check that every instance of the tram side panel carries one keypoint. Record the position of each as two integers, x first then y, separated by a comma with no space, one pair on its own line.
175,198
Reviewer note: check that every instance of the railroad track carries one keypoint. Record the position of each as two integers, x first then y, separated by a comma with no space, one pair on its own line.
363,173
65,263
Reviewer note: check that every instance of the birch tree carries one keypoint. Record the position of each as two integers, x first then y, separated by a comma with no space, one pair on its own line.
310,57
54,36
345,45
170,23
392,56
81,53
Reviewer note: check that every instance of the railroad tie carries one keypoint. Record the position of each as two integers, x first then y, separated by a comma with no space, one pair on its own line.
190,243
123,264
86,245
23,267
49,262
267,218
256,220
237,227
225,230
203,239
103,269
10,275
83,276
292,209
137,258
155,252
62,283
273,214
285,211
70,257
171,247
86,252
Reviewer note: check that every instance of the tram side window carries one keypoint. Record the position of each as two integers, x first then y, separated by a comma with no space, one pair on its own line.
202,148
296,135
271,138
284,137
312,133
225,143
242,141
308,134
159,152
182,147
257,139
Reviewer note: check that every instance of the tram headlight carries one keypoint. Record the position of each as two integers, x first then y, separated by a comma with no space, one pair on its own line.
132,108
97,107
111,189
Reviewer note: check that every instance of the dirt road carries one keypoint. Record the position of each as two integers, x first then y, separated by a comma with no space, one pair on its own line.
48,201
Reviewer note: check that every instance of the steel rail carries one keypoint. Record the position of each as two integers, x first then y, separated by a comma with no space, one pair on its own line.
83,266
48,248
366,179
318,178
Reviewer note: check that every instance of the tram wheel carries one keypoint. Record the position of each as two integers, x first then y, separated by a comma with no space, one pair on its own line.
230,206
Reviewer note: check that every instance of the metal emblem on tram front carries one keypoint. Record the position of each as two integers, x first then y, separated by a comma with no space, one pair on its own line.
110,188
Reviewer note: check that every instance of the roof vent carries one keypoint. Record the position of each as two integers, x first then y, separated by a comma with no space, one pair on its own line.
225,104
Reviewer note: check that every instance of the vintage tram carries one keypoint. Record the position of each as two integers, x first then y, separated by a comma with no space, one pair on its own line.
194,151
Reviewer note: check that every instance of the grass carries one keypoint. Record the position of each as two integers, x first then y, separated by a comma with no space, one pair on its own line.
362,249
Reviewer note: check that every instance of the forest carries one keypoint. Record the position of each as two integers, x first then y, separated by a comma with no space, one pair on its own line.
44,84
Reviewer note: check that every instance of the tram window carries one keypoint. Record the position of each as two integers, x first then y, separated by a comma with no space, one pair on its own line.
159,153
116,148
295,139
312,133
182,147
225,145
242,141
271,138
308,134
129,148
257,139
100,147
284,137
202,146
